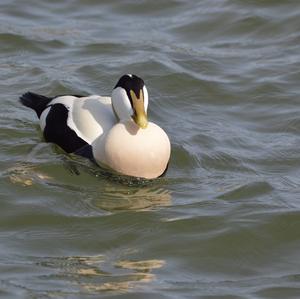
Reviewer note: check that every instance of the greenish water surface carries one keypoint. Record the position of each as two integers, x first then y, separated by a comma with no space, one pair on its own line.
223,78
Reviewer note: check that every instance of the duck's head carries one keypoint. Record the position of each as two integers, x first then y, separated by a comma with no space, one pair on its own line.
130,100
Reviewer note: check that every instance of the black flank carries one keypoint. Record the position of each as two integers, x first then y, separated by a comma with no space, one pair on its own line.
57,130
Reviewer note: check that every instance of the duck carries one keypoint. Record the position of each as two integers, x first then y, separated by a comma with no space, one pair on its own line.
114,132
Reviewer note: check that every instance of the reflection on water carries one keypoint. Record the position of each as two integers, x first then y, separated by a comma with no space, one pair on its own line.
97,273
112,195
93,274
25,174
135,199
141,265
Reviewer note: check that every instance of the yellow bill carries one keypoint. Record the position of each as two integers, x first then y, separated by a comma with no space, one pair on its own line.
140,115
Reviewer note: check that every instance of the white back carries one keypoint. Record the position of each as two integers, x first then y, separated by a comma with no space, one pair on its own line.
89,116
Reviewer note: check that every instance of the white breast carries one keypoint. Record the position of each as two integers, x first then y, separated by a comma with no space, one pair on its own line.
133,151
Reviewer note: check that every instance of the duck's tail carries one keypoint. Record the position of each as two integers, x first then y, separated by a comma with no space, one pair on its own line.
35,101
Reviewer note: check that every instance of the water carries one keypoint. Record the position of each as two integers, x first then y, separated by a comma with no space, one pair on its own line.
223,78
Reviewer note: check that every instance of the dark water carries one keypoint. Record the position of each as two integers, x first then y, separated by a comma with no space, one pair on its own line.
223,78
